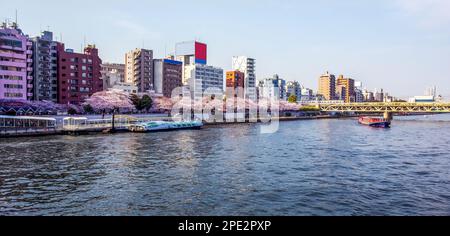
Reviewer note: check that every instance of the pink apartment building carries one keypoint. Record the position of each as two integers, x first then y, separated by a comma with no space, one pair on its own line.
16,64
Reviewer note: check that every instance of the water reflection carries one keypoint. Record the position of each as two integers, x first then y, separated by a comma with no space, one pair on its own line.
321,167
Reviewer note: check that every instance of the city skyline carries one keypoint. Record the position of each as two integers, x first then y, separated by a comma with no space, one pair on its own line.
401,46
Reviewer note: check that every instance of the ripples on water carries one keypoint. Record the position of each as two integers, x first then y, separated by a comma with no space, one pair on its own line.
325,167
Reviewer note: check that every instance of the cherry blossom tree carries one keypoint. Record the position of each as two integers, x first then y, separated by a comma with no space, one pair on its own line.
31,107
162,103
110,101
288,106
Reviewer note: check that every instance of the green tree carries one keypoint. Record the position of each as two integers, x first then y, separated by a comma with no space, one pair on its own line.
72,111
136,101
292,99
88,108
146,102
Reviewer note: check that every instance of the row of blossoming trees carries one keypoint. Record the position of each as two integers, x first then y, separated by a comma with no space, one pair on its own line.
116,101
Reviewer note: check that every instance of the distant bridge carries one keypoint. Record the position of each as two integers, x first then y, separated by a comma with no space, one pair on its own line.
387,108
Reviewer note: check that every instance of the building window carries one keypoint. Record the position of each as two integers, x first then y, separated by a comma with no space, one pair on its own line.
13,86
10,43
13,95
11,77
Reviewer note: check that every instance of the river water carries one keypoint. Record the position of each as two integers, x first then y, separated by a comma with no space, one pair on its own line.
312,167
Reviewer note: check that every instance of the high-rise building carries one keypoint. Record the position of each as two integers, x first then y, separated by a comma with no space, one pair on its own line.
16,63
79,74
204,80
190,53
167,76
45,67
281,84
294,88
341,92
139,69
247,66
327,86
379,95
359,96
235,80
368,95
349,86
112,74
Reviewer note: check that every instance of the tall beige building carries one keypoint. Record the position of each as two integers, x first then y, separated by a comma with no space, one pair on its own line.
139,69
327,86
348,95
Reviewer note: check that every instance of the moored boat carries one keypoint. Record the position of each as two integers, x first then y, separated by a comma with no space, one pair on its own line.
155,126
375,122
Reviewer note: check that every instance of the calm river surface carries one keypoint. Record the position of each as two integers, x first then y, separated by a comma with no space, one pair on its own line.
313,167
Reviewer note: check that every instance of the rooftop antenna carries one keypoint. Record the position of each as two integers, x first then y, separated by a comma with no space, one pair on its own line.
17,23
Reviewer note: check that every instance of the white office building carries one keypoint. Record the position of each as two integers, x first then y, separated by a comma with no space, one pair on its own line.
204,80
272,88
246,65
124,87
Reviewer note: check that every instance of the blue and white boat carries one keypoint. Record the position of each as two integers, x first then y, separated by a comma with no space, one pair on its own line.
155,126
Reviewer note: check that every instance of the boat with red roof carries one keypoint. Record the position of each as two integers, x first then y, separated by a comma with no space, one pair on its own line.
376,122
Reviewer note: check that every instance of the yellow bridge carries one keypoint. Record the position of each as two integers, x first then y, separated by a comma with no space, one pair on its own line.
387,108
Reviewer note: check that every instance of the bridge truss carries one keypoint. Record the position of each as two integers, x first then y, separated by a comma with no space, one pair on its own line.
387,107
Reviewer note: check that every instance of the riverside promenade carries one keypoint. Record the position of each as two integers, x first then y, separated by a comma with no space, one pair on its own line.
92,124
25,126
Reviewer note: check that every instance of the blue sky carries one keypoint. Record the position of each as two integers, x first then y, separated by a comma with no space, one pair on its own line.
402,46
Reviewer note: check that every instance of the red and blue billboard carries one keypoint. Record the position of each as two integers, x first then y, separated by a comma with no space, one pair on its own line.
201,53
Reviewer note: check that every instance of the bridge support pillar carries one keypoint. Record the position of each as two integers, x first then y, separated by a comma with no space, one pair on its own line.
388,116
